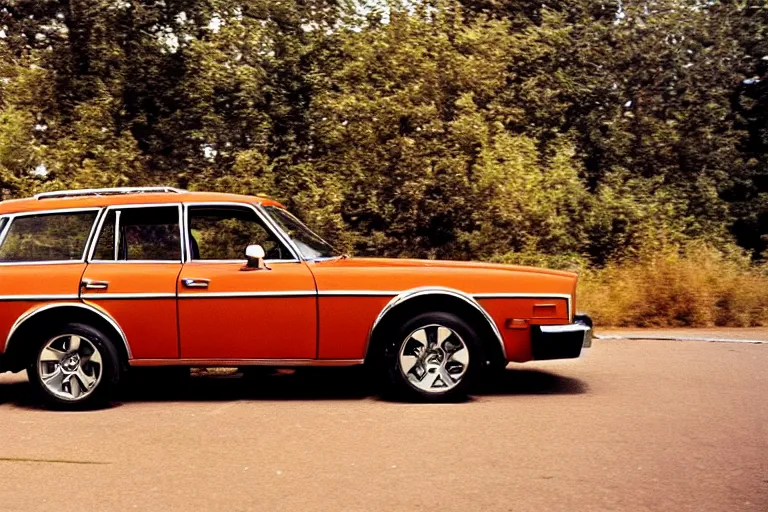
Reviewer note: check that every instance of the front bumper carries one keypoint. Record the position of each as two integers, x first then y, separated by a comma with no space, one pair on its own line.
560,341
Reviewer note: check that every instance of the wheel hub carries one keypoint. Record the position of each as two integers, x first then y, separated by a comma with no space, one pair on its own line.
434,358
71,363
69,367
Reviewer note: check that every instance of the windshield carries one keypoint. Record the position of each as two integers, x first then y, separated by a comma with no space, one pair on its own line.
310,244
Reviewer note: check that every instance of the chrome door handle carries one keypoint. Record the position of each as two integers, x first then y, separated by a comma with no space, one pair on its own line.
89,284
191,282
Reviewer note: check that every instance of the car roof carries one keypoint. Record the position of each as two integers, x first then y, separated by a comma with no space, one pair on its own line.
109,197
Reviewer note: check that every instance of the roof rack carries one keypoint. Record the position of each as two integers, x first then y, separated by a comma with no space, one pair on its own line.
107,192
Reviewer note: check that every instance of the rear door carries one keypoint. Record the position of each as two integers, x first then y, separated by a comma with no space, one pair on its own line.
42,257
132,272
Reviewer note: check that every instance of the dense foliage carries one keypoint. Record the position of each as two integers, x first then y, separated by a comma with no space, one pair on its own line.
579,130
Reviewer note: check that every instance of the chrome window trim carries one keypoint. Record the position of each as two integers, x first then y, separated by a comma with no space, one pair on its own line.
92,234
183,225
260,214
116,237
118,207
283,234
54,211
4,226
31,314
92,248
14,216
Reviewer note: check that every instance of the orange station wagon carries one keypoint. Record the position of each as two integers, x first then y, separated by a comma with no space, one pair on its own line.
96,282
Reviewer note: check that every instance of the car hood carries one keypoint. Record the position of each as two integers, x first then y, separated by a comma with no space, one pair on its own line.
355,262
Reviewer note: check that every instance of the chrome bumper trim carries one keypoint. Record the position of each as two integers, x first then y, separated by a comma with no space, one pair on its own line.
559,341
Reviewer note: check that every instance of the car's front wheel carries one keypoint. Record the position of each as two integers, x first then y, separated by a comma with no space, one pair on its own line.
433,357
75,367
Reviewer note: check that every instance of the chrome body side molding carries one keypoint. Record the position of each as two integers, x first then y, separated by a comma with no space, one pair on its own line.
38,298
29,315
358,293
126,296
229,295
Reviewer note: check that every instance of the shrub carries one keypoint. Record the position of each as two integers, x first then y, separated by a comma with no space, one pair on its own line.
697,286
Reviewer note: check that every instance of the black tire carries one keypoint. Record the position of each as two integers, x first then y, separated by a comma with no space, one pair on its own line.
401,386
109,372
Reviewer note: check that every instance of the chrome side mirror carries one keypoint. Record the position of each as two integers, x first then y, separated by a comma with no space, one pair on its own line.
255,256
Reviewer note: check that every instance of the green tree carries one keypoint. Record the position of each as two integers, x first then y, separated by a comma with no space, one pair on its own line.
452,129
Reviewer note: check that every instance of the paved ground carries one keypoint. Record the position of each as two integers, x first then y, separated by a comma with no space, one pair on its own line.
747,334
635,425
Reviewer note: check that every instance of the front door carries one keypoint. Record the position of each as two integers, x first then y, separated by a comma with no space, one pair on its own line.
132,273
228,312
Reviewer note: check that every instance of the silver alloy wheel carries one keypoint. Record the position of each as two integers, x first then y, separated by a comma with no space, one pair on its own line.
434,358
70,367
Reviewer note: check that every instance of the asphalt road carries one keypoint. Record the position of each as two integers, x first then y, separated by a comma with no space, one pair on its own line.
635,425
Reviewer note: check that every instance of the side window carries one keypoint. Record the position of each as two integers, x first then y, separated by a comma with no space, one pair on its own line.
140,234
223,233
3,222
47,237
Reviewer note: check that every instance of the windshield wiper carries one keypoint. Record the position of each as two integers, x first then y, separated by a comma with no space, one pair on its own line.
331,258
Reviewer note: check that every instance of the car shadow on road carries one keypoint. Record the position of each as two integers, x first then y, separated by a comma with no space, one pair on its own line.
17,393
302,384
519,381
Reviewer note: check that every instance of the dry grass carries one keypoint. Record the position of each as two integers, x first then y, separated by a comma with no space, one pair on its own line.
699,288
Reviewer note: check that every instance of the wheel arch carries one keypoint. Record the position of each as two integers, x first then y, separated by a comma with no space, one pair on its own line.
37,318
448,300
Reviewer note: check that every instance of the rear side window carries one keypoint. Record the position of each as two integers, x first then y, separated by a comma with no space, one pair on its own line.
3,222
47,237
140,234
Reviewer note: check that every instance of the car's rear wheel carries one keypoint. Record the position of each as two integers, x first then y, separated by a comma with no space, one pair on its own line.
432,357
75,367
